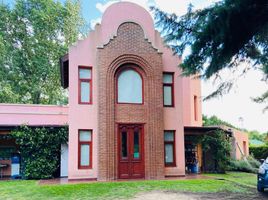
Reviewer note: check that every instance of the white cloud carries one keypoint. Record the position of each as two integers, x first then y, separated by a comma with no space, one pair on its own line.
238,103
102,7
144,3
93,22
178,7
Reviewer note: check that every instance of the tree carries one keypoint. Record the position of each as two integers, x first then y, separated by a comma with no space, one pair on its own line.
256,135
220,36
215,121
34,35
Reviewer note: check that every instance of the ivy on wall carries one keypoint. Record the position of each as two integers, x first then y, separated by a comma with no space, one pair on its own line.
40,150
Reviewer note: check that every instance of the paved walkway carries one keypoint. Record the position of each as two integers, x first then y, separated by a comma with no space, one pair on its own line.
58,181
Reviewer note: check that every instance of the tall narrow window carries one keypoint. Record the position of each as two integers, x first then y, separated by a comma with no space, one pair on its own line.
85,149
129,86
85,85
169,143
168,89
195,109
245,148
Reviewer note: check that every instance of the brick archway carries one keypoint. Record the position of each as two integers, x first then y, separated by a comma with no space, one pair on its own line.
130,47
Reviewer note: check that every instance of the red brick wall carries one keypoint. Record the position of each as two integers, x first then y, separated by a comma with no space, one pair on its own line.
130,47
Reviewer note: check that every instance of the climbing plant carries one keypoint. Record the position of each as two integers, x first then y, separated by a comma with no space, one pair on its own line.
40,150
219,147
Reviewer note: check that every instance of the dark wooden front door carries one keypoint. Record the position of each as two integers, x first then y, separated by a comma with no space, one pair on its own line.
130,150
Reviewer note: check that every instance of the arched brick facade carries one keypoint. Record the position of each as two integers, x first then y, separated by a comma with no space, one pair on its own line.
130,47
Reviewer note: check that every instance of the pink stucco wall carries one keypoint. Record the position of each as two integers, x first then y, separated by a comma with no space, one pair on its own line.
19,114
173,116
241,138
191,88
85,116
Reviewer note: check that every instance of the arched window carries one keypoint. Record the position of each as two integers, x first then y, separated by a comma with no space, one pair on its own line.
129,87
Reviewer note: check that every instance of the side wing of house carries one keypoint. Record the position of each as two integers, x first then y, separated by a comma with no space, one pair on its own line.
240,144
15,115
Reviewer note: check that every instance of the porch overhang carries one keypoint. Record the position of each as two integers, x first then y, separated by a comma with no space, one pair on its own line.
202,130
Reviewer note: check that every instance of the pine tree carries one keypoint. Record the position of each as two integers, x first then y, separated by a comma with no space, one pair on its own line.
221,36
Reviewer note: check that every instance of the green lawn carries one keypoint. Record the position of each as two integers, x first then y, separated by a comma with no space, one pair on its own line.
124,190
245,179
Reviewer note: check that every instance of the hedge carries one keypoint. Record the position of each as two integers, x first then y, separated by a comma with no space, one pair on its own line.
260,152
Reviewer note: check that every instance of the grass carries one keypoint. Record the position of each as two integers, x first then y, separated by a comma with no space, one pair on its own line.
242,178
122,190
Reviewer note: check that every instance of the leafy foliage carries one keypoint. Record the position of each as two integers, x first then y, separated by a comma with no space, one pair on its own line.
260,152
40,150
219,147
34,34
242,166
262,99
250,165
215,121
220,36
256,135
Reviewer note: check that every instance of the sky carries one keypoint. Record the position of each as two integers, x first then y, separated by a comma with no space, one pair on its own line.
235,107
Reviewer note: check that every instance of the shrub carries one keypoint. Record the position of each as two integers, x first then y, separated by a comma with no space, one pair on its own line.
40,150
250,165
260,152
253,162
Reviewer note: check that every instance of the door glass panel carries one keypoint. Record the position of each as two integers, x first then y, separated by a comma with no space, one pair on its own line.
136,151
124,151
169,153
85,152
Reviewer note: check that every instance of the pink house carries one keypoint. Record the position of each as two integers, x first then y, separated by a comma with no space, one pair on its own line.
130,111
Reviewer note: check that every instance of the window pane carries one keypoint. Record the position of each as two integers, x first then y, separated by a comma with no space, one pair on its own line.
169,153
169,136
85,91
85,152
85,136
124,145
6,152
84,73
167,96
167,78
195,108
136,145
129,87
